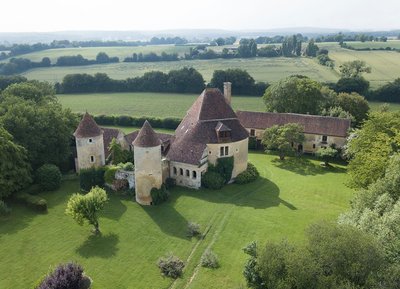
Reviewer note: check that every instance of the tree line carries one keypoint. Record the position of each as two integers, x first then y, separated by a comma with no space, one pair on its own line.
185,80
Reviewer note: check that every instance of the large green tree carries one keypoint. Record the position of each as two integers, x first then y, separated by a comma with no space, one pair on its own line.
354,104
86,207
334,256
296,94
15,171
283,138
371,147
354,68
38,123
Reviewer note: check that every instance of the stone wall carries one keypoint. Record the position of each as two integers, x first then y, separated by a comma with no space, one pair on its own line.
239,151
148,172
90,152
187,175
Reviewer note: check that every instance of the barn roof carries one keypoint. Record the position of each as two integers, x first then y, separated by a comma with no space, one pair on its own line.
313,124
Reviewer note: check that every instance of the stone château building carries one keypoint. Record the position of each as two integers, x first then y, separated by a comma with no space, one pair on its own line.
210,130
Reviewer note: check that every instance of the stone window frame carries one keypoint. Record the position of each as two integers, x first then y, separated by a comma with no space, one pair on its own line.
223,151
252,132
92,159
181,171
187,173
175,171
90,140
194,175
324,139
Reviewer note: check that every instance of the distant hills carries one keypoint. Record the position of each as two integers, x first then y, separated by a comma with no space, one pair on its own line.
190,34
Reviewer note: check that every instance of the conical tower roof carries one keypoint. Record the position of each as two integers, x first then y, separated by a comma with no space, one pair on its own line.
87,127
146,137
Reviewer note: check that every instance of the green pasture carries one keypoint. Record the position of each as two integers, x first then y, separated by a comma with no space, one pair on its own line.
281,204
262,69
155,104
145,103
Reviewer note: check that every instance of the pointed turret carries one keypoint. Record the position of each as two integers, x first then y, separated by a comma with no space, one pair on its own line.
89,143
148,170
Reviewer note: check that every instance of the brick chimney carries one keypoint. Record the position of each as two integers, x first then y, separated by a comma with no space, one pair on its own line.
228,92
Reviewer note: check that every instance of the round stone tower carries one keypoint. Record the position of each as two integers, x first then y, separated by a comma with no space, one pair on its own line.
89,144
148,172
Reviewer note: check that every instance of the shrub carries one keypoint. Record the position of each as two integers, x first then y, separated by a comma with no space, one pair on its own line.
171,266
224,167
170,183
4,209
92,177
48,177
34,202
159,196
212,180
65,276
120,185
209,259
109,175
128,167
193,229
248,176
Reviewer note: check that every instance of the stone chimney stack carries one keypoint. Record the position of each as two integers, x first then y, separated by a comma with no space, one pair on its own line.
228,92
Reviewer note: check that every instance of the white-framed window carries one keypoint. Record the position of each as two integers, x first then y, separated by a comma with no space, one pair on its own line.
252,132
324,138
224,151
92,159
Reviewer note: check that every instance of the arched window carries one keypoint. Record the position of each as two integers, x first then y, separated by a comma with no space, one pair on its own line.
92,159
175,171
194,174
181,171
187,173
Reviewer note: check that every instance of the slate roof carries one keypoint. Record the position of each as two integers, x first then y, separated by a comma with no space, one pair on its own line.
313,124
198,128
108,135
87,127
146,137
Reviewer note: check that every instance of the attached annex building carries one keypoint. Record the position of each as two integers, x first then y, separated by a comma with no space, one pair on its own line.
210,130
319,131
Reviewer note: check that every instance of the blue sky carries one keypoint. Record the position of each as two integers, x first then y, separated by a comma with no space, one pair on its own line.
58,15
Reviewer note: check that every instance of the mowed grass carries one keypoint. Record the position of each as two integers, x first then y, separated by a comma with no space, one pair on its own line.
91,52
261,69
281,204
146,103
156,104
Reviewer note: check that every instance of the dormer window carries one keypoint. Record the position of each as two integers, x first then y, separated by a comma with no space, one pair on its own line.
224,134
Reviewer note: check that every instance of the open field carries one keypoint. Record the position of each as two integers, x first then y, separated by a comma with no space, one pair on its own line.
91,52
281,204
145,103
155,104
262,69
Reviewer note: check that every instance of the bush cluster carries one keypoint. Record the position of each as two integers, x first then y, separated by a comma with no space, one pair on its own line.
49,177
248,176
170,183
66,276
193,229
109,174
209,259
159,196
92,177
124,120
212,180
129,167
34,202
171,266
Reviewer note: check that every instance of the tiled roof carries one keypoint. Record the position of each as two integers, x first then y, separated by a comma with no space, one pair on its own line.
198,128
108,135
87,127
313,124
146,137
222,127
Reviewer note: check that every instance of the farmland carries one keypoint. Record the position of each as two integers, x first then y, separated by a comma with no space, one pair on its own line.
281,204
154,104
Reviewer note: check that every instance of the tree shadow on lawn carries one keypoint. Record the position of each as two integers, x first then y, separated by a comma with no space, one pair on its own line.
304,166
169,220
114,208
260,194
103,246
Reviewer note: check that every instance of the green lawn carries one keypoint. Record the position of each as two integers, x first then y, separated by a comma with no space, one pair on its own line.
161,104
145,103
281,204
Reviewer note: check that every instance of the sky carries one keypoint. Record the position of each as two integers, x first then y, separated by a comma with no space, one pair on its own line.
62,15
